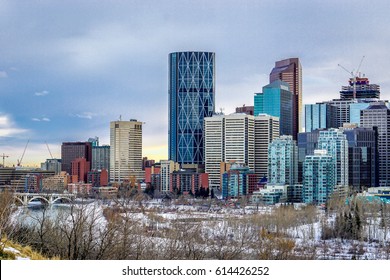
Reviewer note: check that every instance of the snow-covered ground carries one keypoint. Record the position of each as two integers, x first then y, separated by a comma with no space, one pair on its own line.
216,220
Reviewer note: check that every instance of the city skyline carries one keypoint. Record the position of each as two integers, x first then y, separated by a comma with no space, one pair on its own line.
65,78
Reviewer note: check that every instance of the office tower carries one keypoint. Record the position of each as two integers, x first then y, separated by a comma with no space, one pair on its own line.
126,151
228,138
362,157
239,139
214,148
307,143
283,161
237,181
334,141
53,164
319,115
290,71
101,157
249,110
363,89
191,99
166,169
342,112
378,115
319,178
80,169
277,100
266,130
72,150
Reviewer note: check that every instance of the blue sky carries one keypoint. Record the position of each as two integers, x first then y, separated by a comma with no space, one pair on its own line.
68,68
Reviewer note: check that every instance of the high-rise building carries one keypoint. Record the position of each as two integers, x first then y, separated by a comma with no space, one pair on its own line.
166,169
290,71
266,130
363,89
277,100
319,115
319,178
307,143
101,157
239,139
214,136
283,161
53,164
191,99
228,138
126,151
72,150
378,115
334,141
342,112
362,156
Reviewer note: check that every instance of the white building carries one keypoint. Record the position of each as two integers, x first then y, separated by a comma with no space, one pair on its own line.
266,130
125,150
228,138
166,168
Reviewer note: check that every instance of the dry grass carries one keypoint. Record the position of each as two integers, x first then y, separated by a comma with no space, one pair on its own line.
19,251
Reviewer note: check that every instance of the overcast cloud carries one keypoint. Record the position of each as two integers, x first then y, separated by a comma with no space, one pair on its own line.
68,68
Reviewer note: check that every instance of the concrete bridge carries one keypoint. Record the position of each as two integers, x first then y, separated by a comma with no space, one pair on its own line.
49,198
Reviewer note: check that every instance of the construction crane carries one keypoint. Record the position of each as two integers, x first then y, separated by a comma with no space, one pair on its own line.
25,148
49,150
4,156
354,75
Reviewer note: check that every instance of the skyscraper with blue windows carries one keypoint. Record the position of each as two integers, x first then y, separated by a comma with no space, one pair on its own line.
334,141
191,99
277,100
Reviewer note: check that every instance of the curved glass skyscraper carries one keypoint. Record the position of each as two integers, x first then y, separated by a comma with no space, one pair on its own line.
191,99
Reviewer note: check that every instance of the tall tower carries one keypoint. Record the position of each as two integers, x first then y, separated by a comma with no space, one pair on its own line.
191,99
334,141
290,71
266,130
72,150
319,178
228,138
277,100
125,151
378,115
283,161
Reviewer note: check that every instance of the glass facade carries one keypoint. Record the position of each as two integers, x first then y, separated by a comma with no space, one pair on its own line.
334,141
191,99
319,178
276,100
320,115
378,115
362,156
283,161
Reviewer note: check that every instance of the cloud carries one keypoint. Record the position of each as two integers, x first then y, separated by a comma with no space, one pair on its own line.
8,128
3,74
41,93
41,120
85,115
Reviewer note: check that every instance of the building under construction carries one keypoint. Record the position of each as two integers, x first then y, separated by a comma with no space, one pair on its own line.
363,89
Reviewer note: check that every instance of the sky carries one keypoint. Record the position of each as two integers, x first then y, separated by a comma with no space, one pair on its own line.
68,68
